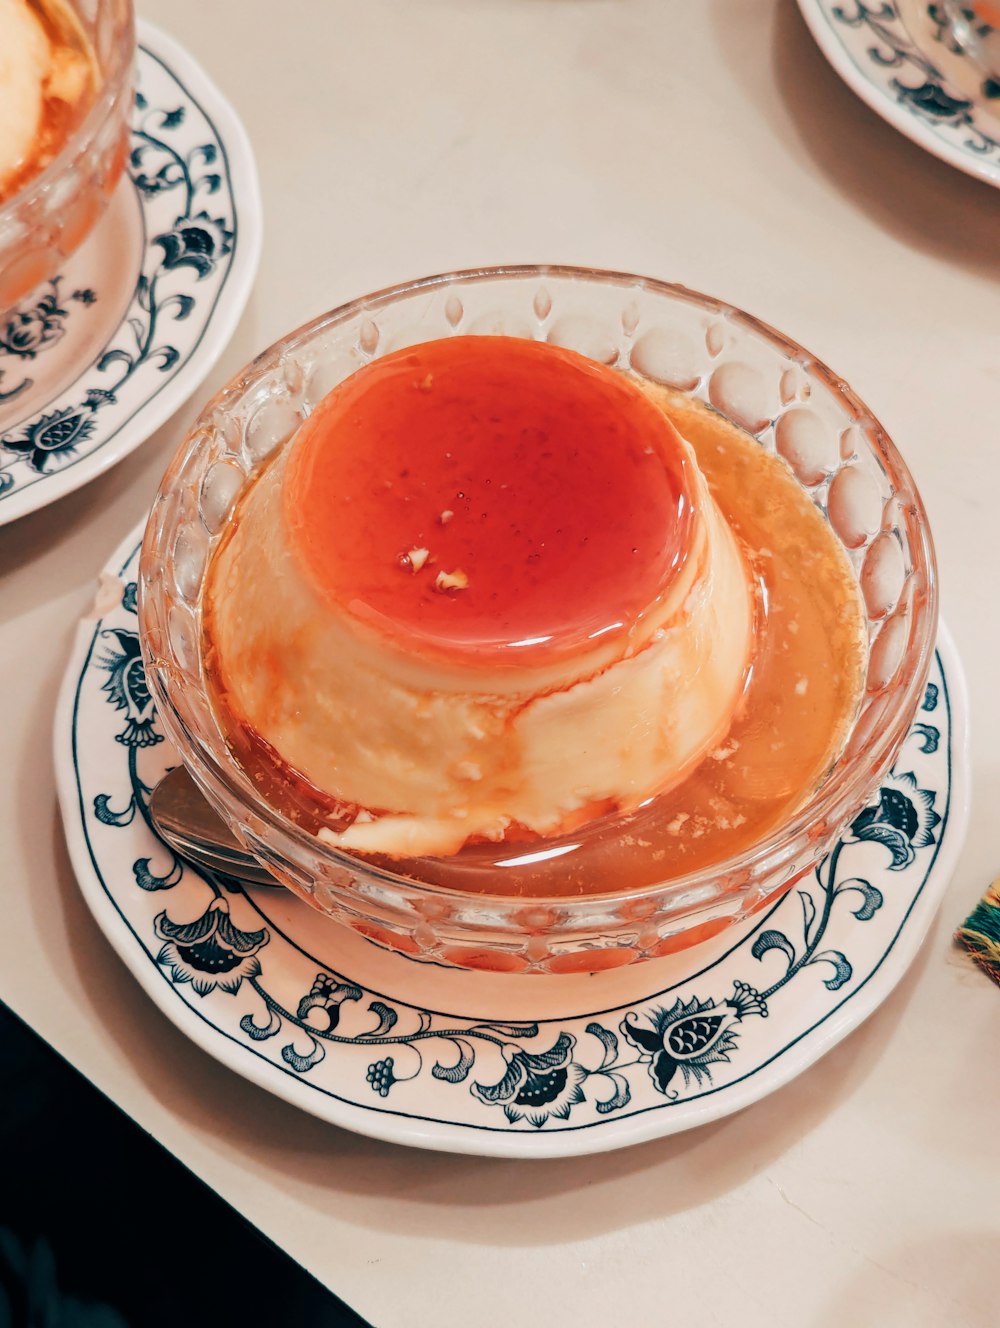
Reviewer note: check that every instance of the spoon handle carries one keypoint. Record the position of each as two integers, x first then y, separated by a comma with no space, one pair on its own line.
184,818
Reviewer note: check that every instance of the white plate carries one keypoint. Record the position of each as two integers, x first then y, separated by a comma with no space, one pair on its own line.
495,1064
898,57
96,361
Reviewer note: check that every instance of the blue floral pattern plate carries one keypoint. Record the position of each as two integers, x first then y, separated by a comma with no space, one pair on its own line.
99,358
900,58
530,1066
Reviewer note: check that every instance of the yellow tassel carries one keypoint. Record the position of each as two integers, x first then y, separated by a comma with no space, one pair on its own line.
980,933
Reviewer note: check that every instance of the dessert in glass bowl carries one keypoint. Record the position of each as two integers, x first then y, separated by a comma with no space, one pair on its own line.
537,618
65,99
506,600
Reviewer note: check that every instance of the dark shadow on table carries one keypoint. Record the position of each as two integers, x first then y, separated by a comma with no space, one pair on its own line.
101,1228
926,204
461,1198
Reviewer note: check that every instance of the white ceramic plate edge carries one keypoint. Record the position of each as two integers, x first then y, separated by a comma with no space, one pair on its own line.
877,100
227,314
444,1136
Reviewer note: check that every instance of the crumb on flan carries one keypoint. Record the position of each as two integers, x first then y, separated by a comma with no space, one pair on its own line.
483,593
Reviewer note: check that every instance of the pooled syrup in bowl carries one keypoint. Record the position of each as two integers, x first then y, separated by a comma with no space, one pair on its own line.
801,691
801,698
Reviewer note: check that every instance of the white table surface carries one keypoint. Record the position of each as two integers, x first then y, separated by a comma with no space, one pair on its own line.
704,141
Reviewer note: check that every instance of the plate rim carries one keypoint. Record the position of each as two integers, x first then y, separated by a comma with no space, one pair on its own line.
876,98
231,301
464,1137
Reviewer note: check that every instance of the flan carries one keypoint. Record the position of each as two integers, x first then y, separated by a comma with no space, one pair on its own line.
484,593
47,79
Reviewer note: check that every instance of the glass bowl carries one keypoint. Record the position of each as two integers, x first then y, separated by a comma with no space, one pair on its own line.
756,377
50,217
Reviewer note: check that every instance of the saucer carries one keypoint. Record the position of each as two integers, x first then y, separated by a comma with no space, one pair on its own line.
97,359
899,57
513,1066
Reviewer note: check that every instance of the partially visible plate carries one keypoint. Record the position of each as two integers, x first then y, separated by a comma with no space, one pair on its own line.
92,364
899,57
515,1066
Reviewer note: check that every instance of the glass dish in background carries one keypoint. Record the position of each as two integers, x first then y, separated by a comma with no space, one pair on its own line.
974,27
54,212
763,382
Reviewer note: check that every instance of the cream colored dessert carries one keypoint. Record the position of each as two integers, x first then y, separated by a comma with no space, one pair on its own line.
44,78
484,592
24,65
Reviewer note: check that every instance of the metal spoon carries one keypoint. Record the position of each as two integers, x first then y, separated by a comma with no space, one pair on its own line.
189,824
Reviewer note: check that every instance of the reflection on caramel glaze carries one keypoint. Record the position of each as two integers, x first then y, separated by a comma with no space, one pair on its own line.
778,736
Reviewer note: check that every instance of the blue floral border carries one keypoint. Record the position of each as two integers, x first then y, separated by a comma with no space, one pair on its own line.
677,1045
51,442
919,87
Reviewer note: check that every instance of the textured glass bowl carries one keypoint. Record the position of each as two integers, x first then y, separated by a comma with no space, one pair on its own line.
53,214
973,26
757,378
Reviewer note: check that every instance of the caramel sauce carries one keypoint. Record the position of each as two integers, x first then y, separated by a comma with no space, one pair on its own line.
70,90
802,695
489,500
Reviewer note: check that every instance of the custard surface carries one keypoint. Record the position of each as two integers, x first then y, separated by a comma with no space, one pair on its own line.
484,594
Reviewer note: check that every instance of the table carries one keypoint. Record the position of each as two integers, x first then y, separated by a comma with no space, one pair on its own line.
707,143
